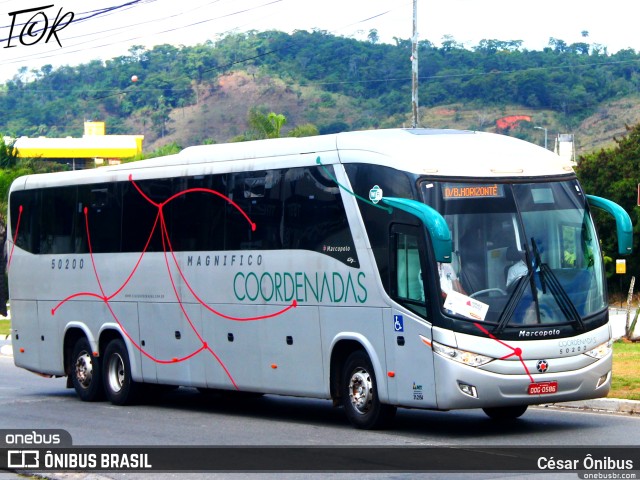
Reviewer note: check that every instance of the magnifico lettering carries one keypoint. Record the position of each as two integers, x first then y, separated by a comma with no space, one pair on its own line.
223,260
35,28
331,287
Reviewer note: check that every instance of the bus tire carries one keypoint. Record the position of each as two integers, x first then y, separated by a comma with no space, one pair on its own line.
119,386
359,394
84,370
505,413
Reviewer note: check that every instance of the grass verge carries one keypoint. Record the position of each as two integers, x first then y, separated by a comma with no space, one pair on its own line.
626,371
5,326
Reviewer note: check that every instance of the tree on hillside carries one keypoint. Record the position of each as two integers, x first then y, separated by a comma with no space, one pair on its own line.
266,125
614,174
168,149
262,125
374,77
8,154
306,130
160,117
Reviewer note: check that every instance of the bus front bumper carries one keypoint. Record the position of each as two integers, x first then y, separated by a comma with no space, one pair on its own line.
460,386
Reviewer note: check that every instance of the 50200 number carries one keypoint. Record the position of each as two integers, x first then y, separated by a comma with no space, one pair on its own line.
67,264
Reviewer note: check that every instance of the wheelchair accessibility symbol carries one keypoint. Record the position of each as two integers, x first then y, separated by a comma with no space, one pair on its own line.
398,323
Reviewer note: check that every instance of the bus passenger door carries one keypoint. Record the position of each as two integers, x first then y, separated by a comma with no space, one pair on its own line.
410,374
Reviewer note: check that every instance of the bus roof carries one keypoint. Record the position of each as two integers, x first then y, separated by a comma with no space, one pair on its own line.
457,153
445,152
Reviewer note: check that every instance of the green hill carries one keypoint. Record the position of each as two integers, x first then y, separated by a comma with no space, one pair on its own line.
203,93
221,114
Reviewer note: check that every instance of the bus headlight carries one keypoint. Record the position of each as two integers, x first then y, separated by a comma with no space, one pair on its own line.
461,356
600,351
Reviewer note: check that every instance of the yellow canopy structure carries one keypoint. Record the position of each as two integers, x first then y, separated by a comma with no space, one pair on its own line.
93,146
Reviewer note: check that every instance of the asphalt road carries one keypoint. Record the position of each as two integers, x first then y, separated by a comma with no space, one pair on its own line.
187,418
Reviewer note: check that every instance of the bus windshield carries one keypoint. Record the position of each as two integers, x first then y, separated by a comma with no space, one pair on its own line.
524,254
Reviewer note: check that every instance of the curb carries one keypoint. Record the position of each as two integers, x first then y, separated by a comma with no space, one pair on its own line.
605,405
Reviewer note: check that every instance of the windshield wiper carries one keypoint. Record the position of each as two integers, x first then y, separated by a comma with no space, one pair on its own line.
547,278
538,264
516,296
511,305
561,297
546,275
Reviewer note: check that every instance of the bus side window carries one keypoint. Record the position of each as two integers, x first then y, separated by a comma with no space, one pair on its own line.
29,226
138,215
197,217
58,220
258,195
314,215
407,277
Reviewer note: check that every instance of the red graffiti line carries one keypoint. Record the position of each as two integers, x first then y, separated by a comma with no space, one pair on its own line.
514,351
169,257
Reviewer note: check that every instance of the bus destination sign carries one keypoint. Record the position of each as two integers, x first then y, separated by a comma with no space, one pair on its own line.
472,190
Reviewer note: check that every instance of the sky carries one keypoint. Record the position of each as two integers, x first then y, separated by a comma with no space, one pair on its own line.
78,31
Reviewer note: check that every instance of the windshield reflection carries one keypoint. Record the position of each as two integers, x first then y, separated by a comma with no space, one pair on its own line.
523,254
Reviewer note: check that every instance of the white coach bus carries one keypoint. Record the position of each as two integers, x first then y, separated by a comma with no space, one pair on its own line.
419,268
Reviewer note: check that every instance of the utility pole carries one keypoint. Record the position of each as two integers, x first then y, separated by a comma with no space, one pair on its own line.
545,135
414,66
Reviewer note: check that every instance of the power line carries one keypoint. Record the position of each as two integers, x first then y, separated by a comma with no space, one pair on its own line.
59,52
133,25
91,14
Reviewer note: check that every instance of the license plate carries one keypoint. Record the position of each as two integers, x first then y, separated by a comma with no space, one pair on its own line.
543,388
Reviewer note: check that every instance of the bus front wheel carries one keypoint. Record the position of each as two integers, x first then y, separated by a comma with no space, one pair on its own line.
360,395
505,413
119,386
84,370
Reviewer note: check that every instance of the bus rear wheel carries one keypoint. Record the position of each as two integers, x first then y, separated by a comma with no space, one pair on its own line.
119,386
359,394
505,413
85,373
